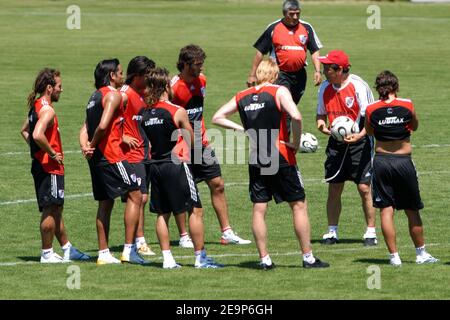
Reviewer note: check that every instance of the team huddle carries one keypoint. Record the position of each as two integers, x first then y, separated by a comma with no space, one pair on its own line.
145,141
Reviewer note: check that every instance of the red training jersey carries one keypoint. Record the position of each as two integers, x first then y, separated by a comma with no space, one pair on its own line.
132,126
108,150
51,133
191,97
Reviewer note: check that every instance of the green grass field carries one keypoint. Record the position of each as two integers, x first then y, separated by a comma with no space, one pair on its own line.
412,42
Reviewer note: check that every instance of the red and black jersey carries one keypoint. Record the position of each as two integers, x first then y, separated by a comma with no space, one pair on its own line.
132,126
390,121
159,125
265,124
351,99
191,97
288,45
108,150
51,133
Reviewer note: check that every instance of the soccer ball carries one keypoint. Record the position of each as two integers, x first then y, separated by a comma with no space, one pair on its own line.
342,127
308,143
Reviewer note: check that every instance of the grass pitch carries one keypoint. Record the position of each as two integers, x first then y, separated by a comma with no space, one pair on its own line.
412,42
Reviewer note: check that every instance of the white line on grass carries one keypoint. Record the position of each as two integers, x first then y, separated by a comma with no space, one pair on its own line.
228,255
18,153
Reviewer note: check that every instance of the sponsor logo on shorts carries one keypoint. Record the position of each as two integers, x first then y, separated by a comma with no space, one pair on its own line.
61,194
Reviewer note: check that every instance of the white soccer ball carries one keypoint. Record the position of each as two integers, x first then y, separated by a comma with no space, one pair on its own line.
308,143
342,127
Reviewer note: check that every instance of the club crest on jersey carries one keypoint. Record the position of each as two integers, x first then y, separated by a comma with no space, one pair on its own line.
349,101
153,111
390,111
203,91
192,88
255,97
303,38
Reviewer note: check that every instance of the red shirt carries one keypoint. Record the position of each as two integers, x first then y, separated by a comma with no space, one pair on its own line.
51,133
108,150
351,99
191,97
132,126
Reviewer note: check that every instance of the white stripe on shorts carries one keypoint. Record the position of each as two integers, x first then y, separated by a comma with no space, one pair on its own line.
191,182
53,186
123,172
300,178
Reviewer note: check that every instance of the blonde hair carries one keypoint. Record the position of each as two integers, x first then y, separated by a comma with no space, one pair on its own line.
267,72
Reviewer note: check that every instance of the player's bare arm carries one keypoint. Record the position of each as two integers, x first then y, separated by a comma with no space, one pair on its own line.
288,105
321,120
111,104
25,131
182,120
317,66
220,117
85,147
46,116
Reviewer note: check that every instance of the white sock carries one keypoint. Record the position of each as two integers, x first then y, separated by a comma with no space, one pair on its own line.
420,251
371,230
266,260
182,235
309,257
47,253
140,241
127,249
66,250
227,230
104,253
168,257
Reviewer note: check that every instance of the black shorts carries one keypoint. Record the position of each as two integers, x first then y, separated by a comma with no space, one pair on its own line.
395,183
356,164
207,167
294,81
285,185
49,187
173,189
140,169
112,180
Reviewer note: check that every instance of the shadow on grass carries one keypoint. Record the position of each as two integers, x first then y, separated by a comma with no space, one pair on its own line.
341,241
373,261
30,259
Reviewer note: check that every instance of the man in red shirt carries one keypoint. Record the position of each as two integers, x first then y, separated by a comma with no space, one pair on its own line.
41,131
111,174
188,90
345,94
286,41
135,145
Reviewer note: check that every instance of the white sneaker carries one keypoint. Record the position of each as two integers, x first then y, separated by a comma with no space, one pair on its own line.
396,262
171,265
145,250
107,259
186,242
229,237
54,258
426,258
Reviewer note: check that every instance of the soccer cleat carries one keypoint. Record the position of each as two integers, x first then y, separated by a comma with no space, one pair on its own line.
330,238
133,258
208,263
396,262
266,267
426,258
315,264
107,259
76,255
369,242
186,242
229,237
145,250
171,265
54,258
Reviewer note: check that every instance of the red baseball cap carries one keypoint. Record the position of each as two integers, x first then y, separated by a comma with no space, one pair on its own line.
338,57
